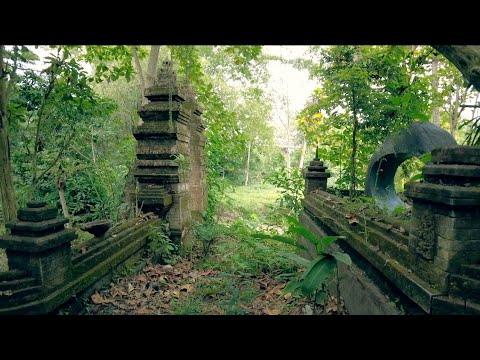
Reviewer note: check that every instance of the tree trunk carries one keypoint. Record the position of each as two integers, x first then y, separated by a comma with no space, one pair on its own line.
302,154
141,78
247,166
7,191
353,180
436,109
152,65
60,183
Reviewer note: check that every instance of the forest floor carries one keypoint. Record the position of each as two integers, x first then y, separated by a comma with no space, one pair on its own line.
238,275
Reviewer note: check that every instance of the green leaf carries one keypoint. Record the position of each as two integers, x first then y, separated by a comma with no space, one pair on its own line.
327,240
416,177
292,286
305,233
345,258
320,297
318,274
282,239
426,158
419,116
296,258
312,264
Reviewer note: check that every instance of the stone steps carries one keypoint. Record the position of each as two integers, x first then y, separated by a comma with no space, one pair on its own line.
464,287
471,271
17,284
12,275
20,296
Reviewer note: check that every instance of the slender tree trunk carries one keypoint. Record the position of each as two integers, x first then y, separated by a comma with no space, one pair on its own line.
247,166
455,112
436,109
141,78
7,191
60,183
302,154
353,180
152,65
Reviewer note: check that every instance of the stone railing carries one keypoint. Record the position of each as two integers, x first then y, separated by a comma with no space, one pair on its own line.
46,271
435,259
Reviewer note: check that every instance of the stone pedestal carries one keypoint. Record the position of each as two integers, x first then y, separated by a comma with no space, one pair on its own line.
446,213
40,245
316,176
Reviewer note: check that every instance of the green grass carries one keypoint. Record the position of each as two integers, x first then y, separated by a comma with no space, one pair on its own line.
255,203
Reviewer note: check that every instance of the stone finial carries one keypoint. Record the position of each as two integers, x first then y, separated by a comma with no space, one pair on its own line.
316,176
39,244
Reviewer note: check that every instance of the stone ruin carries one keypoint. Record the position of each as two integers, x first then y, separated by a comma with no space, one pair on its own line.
416,140
46,270
170,165
430,264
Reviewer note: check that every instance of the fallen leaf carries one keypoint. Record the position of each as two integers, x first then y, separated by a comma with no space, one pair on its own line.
402,230
272,312
187,287
176,294
142,278
287,296
143,311
99,299
130,288
115,291
133,302
84,249
148,292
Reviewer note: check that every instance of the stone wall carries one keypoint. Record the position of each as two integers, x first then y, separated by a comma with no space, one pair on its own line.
434,260
46,271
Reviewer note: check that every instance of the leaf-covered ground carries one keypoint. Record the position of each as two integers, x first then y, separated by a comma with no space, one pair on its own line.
240,275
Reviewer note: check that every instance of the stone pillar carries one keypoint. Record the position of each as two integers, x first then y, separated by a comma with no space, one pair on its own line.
316,176
198,168
39,244
162,167
445,230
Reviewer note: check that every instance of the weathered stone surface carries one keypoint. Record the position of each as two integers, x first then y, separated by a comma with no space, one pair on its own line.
457,155
472,307
418,139
37,244
97,227
456,170
442,305
28,228
464,287
36,203
37,214
449,195
130,245
422,232
471,271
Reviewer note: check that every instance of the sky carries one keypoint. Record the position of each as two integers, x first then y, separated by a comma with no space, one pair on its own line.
286,80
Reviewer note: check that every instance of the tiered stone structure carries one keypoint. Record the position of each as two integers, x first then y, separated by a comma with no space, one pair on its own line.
445,231
316,176
170,166
39,244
